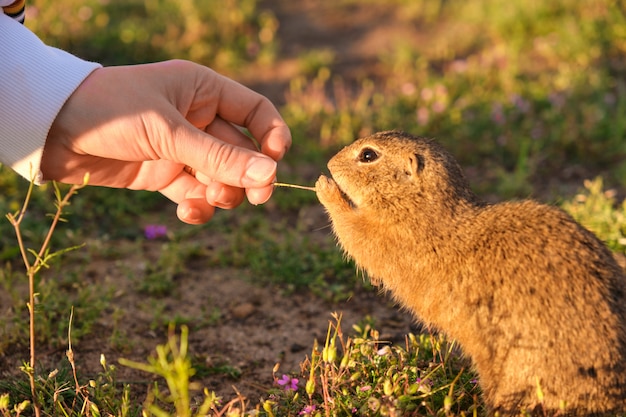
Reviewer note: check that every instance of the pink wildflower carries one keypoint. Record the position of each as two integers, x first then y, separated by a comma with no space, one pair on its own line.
288,383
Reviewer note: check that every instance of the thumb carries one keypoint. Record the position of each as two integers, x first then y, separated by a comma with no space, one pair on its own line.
223,162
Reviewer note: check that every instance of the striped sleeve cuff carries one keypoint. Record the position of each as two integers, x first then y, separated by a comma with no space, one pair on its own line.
35,82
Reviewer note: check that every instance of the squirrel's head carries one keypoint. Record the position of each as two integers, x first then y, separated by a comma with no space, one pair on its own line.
391,168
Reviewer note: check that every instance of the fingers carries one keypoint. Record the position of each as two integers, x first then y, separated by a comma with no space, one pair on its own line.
225,131
189,194
247,108
226,169
217,159
206,184
215,94
226,196
195,211
199,210
259,195
223,154
237,104
230,197
223,196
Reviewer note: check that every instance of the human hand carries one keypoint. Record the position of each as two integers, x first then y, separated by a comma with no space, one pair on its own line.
140,126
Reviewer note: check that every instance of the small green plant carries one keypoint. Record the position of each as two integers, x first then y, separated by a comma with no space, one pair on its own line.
358,375
33,262
57,291
596,209
60,392
363,375
174,365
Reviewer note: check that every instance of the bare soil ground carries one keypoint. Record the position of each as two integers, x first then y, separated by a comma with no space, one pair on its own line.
239,329
255,326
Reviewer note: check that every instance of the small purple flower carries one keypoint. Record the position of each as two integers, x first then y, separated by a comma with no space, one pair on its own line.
155,231
307,411
288,383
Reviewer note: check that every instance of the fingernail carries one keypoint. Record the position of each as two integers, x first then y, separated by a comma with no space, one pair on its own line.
261,170
220,198
190,214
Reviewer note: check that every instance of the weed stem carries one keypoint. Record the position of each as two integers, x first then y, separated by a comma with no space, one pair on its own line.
301,187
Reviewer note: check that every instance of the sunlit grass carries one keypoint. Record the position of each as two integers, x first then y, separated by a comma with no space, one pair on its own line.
223,34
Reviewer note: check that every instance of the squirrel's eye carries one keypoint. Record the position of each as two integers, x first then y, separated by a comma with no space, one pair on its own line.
368,155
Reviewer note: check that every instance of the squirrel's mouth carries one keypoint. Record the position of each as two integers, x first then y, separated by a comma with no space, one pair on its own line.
344,195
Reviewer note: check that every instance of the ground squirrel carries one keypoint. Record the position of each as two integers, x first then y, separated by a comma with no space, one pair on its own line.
531,296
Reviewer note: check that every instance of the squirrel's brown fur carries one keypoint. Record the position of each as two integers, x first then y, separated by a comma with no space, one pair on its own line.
531,296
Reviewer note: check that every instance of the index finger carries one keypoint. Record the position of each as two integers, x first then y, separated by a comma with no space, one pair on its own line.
244,107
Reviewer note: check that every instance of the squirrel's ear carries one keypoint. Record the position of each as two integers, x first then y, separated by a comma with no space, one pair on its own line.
416,164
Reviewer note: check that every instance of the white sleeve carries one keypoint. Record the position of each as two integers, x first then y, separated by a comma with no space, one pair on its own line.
35,82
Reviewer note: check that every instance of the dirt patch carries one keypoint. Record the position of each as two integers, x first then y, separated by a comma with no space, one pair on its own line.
356,34
254,328
239,329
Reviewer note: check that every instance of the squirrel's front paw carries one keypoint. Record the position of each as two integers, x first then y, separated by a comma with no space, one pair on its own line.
325,188
329,193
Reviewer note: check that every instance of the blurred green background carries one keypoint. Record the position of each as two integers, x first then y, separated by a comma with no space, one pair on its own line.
528,92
